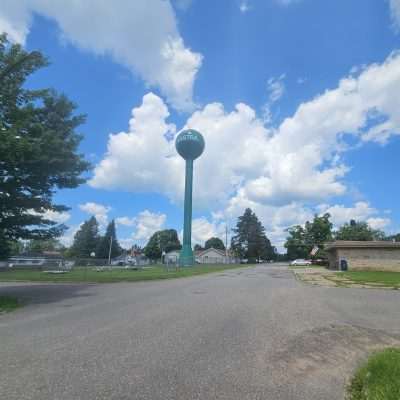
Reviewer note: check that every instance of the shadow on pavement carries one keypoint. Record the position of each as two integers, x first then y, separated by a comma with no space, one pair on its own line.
44,293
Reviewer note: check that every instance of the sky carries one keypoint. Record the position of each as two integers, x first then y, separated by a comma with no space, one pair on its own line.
298,102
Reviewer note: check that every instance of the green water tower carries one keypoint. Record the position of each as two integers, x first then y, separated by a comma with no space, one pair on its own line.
190,145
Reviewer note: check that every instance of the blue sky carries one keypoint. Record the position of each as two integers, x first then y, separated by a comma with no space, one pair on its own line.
297,99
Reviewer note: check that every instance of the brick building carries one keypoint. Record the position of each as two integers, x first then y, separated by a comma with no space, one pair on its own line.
373,256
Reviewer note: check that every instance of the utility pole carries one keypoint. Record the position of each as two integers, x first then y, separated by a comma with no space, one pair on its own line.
226,243
109,251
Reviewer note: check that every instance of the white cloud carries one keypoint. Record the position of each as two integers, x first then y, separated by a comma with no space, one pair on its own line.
147,224
137,160
275,89
126,221
298,161
395,12
274,171
378,223
97,210
203,229
120,30
59,217
361,211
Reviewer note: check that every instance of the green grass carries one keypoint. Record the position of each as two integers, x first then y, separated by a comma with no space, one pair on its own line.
378,378
375,277
8,303
114,275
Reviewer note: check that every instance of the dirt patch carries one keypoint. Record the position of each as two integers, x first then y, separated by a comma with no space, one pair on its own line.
324,277
315,276
334,349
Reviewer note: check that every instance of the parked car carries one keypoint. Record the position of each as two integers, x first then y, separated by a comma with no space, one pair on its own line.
300,262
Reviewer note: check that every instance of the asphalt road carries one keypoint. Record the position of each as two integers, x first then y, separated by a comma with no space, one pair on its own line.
255,333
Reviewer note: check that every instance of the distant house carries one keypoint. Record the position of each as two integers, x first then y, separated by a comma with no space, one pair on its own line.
208,256
172,257
374,256
211,256
47,259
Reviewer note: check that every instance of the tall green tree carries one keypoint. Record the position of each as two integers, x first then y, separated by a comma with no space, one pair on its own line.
215,243
86,239
164,240
110,238
358,230
250,240
295,244
38,149
301,240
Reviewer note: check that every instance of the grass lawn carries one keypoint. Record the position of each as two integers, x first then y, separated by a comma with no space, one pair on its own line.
115,275
372,277
8,303
378,378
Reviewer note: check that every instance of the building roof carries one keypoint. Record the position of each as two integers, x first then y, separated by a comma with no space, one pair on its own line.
203,252
352,244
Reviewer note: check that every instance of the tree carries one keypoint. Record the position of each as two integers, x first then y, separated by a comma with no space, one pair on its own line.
358,230
86,239
38,149
301,240
214,242
393,238
110,238
39,246
295,243
250,240
165,240
198,247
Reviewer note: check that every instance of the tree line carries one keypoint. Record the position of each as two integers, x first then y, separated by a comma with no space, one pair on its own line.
302,239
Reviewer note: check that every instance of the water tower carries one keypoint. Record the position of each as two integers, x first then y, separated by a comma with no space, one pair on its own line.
190,145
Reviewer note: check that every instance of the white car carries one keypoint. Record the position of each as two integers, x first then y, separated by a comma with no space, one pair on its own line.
300,261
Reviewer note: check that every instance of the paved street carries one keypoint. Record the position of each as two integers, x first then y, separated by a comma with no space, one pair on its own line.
254,333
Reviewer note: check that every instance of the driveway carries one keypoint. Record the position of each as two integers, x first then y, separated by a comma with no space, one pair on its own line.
253,333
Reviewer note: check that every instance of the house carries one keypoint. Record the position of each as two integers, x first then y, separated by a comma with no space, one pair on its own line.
35,261
211,256
208,256
371,255
172,257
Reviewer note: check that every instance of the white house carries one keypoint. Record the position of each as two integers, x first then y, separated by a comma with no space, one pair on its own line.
211,256
172,257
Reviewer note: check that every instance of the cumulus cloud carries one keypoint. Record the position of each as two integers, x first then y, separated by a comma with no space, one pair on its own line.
59,217
148,223
298,161
97,210
361,211
275,171
125,221
203,229
117,29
